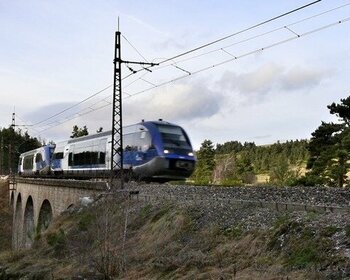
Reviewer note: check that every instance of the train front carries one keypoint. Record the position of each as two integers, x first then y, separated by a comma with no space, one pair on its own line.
173,158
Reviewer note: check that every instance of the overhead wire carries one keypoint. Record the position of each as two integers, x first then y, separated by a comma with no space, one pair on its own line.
209,67
253,37
75,105
135,49
243,55
182,54
241,31
212,66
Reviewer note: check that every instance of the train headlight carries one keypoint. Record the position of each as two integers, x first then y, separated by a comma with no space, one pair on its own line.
190,154
166,151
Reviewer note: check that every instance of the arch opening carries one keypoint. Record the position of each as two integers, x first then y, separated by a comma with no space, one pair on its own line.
45,216
17,224
28,230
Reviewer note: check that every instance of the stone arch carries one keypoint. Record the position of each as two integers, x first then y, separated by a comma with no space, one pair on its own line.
17,224
45,216
28,224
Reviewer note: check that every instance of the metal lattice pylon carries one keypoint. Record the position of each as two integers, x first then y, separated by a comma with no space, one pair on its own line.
117,127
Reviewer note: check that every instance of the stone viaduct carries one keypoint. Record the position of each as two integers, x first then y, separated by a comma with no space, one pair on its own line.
36,202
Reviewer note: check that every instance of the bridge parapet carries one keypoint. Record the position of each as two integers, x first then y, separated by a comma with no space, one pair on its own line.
65,183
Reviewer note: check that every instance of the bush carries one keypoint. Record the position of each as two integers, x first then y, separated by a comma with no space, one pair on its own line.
57,240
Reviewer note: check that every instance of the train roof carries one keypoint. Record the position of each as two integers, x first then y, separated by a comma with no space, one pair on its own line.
36,150
109,132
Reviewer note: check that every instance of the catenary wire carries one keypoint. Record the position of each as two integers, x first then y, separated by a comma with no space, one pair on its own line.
185,53
241,56
210,67
241,31
287,27
254,37
134,48
226,61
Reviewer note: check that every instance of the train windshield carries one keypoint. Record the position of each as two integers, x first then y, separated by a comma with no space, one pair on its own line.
174,137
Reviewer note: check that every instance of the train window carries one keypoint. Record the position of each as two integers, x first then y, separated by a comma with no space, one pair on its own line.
102,151
58,155
174,137
102,159
38,158
70,159
28,162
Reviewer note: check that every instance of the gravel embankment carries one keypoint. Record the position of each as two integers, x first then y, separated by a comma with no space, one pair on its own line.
232,206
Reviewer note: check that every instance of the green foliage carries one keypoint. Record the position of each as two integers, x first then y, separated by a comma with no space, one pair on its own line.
86,219
78,131
238,164
57,240
19,142
309,180
205,164
330,147
329,231
233,232
347,231
281,172
300,245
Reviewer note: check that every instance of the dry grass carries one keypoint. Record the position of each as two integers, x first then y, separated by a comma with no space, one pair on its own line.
162,242
5,217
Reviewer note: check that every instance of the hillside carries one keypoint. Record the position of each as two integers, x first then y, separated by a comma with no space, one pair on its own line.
5,218
172,241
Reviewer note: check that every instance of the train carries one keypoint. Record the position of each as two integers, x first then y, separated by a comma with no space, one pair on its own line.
152,150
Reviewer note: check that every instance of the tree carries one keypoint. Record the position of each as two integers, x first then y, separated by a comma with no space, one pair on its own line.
205,164
245,167
329,147
78,132
19,142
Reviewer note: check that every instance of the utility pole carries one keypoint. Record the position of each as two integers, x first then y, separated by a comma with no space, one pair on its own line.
117,121
12,176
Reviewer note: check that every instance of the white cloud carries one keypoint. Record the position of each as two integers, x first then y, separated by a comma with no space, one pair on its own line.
301,77
176,103
271,78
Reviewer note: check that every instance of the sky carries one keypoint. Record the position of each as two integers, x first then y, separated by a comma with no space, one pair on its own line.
270,83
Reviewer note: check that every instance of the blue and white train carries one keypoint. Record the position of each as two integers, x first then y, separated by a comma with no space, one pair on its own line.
152,150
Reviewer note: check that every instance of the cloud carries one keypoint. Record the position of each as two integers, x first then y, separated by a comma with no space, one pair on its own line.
44,112
179,102
259,81
270,78
300,77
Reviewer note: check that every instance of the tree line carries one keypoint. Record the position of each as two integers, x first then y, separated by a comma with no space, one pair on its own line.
322,160
12,144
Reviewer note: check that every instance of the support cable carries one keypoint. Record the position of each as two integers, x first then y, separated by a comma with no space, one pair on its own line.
243,55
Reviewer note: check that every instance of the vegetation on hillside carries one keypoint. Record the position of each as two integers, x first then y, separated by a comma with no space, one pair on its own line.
5,217
326,156
165,241
234,163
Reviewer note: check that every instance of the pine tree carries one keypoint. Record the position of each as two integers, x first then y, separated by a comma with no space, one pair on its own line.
330,147
78,132
205,163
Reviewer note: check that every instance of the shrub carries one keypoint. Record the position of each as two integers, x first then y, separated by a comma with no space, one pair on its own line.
57,240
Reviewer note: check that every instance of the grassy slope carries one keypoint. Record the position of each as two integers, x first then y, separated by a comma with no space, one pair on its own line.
5,218
168,242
